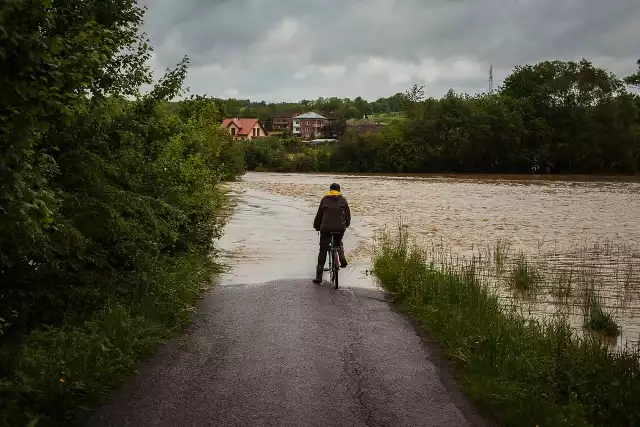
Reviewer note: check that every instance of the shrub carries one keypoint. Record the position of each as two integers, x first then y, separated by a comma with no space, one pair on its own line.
109,205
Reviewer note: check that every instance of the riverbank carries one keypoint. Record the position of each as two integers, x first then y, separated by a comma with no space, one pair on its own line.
525,372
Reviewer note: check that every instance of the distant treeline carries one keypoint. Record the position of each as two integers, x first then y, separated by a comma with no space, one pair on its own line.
341,109
552,117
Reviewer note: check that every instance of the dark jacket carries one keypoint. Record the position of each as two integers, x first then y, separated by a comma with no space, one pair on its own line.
333,214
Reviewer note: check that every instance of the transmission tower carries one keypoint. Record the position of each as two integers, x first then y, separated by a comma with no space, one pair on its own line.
491,79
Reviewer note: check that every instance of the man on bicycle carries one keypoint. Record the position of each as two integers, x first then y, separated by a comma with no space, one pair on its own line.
333,216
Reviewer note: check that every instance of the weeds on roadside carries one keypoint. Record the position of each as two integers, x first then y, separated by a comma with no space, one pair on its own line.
57,374
526,372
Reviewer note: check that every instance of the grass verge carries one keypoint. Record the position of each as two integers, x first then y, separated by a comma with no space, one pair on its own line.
525,372
58,375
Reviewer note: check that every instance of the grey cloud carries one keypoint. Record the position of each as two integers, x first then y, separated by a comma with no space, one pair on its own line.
257,46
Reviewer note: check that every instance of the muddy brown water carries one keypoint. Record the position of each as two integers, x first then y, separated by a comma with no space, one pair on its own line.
592,224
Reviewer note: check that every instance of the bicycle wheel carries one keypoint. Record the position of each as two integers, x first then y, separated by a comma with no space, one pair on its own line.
336,268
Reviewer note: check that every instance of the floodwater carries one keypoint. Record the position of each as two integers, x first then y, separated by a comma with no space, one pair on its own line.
270,235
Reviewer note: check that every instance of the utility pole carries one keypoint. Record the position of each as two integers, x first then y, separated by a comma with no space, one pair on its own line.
491,79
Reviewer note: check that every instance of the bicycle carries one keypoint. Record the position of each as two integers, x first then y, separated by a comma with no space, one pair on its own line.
334,261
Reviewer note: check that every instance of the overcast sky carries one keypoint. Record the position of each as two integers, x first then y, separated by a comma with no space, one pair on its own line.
288,50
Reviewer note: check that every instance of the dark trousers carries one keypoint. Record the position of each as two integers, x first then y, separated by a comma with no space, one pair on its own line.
325,245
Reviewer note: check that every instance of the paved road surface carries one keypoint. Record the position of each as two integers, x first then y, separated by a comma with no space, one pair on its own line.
291,353
288,352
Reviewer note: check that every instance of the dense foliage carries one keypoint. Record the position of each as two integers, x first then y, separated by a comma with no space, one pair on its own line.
109,204
634,79
553,117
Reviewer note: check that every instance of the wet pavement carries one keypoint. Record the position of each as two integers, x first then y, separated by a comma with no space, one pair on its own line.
290,353
271,237
268,347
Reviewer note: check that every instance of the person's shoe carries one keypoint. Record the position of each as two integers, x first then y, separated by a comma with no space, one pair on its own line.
318,278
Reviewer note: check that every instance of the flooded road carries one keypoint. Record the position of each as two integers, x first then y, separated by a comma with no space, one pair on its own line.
591,226
269,347
271,237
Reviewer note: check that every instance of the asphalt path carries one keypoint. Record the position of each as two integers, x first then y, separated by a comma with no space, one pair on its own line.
290,353
263,350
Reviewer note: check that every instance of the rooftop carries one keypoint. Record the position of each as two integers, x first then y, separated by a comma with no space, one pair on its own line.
311,115
244,125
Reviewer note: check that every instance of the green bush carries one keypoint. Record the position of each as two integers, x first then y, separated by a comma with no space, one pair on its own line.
266,153
59,373
109,209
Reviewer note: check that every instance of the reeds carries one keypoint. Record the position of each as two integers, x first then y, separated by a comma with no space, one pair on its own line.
527,369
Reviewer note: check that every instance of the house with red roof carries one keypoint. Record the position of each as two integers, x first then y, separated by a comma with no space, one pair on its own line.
243,128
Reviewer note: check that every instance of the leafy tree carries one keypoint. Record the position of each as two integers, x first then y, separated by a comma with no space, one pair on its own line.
362,106
557,83
634,79
558,101
415,94
335,129
412,99
551,117
58,58
109,203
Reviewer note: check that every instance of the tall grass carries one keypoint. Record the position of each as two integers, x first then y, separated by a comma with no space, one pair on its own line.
595,318
500,254
527,372
524,275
